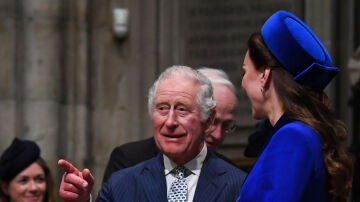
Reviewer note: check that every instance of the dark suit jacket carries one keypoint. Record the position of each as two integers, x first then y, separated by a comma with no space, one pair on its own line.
218,181
130,154
133,153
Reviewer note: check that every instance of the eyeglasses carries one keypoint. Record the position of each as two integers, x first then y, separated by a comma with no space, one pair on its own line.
227,127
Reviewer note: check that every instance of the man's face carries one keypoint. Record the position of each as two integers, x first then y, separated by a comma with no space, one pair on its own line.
178,129
224,119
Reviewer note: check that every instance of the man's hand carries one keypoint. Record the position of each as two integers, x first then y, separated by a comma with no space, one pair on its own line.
75,185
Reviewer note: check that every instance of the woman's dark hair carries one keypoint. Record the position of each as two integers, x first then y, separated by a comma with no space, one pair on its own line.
313,108
50,192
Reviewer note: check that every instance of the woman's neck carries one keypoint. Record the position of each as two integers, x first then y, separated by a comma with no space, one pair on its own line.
275,109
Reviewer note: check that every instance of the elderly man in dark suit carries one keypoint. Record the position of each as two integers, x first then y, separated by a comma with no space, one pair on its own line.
224,92
182,110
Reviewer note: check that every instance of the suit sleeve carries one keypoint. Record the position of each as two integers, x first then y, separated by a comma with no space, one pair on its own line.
104,194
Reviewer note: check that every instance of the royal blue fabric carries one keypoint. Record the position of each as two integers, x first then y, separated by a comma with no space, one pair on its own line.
299,50
290,169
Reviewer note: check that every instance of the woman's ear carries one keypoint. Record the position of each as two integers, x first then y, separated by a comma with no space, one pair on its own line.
266,76
4,187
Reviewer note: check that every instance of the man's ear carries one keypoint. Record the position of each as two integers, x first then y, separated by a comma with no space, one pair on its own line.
210,125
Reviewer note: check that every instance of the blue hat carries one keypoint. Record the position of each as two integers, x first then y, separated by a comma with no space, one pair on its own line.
18,156
298,50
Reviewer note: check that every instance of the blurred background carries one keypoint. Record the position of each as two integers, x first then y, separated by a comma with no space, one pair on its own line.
74,74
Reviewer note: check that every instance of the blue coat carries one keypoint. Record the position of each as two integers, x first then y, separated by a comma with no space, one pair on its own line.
291,167
218,181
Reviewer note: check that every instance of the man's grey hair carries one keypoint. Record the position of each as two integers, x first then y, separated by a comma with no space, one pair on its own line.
205,94
217,76
220,77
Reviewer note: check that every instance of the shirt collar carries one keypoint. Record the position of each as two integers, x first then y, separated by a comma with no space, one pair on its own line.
194,165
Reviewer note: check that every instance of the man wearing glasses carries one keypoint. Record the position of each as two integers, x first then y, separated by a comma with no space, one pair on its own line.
224,94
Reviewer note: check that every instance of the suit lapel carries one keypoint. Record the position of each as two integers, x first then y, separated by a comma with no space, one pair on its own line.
209,186
210,183
153,180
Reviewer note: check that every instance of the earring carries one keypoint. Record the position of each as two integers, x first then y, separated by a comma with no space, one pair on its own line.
262,89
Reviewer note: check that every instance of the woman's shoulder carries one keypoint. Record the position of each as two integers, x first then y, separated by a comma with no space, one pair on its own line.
298,133
298,128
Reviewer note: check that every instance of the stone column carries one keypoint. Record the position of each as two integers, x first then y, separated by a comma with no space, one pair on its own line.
41,75
75,92
8,63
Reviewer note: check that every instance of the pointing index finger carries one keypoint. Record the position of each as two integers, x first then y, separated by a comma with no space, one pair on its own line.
67,167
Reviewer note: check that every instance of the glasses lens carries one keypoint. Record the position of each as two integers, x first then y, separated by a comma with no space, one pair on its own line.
229,127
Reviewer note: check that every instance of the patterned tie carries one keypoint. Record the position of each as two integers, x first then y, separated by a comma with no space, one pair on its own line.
178,189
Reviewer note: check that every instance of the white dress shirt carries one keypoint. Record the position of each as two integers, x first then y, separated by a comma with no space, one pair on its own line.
194,166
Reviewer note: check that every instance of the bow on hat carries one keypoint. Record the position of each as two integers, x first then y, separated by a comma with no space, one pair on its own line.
298,50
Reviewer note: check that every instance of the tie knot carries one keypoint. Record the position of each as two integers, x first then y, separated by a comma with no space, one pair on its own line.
179,190
180,172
